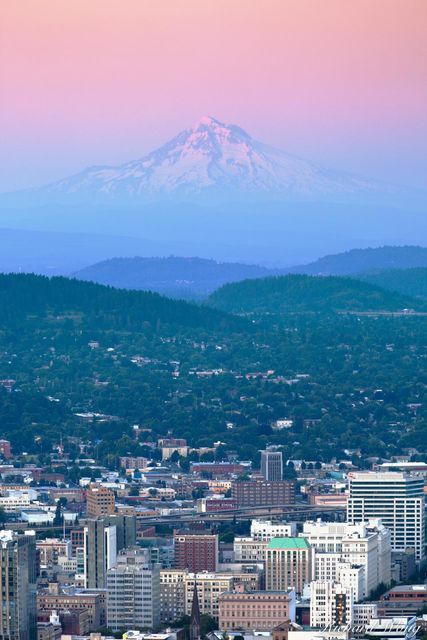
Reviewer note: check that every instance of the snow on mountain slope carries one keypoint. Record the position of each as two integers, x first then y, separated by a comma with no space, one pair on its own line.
214,158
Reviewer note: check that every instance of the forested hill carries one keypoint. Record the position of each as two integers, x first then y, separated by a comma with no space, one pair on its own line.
358,260
410,282
301,293
174,276
26,297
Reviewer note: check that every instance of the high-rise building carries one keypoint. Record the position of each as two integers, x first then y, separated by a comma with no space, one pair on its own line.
364,544
133,591
18,586
196,552
172,594
272,465
100,501
396,498
289,564
330,604
103,538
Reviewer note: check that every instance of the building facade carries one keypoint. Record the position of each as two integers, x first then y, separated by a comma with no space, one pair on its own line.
172,594
196,552
103,538
363,544
331,603
289,564
253,493
18,586
395,497
272,465
133,591
209,587
267,529
260,610
100,501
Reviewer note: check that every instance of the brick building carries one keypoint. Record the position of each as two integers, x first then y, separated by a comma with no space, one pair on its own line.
252,493
261,610
100,501
196,552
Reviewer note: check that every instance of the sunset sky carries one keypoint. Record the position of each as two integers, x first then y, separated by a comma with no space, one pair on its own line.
340,82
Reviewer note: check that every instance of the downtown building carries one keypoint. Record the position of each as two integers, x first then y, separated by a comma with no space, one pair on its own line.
267,529
255,493
18,586
272,465
398,499
172,594
331,604
103,539
70,599
133,591
100,501
196,552
241,610
343,547
288,564
209,587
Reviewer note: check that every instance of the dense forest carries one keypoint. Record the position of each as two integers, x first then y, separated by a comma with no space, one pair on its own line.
79,359
360,260
192,278
409,282
301,293
196,278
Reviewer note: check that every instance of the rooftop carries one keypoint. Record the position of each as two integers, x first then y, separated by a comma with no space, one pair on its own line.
288,543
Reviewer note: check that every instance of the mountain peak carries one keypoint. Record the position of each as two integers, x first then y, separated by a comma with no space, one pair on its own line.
207,121
211,159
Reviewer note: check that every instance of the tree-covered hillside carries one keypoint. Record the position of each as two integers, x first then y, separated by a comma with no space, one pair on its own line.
301,293
191,278
31,298
408,282
357,260
78,359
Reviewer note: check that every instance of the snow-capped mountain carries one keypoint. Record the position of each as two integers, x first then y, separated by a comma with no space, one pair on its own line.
214,158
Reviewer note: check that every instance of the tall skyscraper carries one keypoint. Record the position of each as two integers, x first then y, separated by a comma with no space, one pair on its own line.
103,538
272,465
133,588
396,498
18,586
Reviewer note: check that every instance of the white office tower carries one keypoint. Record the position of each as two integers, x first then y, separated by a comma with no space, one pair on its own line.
272,465
364,545
330,604
133,591
265,530
396,498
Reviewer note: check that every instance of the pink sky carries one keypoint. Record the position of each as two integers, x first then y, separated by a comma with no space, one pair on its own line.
341,82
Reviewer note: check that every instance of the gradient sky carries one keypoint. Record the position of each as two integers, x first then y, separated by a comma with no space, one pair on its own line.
341,82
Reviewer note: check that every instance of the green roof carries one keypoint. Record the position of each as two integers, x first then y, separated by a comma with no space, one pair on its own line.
288,543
